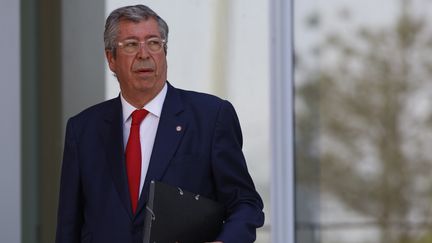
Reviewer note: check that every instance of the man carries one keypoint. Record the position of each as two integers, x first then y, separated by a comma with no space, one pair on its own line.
152,131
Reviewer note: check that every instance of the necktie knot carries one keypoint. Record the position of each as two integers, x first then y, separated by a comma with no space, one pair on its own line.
138,116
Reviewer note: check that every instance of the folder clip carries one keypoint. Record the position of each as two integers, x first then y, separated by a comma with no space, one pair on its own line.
180,191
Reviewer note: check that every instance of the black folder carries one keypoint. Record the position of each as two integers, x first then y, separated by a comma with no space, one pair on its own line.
175,215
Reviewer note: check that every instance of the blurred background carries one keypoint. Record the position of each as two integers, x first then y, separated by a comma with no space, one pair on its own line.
363,121
358,73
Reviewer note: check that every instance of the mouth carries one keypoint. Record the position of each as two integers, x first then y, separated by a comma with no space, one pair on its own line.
144,70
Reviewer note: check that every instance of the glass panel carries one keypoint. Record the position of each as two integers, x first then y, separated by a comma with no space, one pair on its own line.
229,57
363,121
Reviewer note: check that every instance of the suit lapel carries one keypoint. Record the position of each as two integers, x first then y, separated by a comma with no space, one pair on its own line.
171,128
112,133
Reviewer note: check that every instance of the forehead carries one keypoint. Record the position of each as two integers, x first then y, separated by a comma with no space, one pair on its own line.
143,29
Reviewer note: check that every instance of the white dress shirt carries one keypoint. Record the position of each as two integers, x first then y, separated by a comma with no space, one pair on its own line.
148,128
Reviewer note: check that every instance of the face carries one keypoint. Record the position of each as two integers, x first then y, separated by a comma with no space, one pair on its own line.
142,75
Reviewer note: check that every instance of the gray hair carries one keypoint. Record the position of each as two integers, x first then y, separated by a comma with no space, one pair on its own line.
135,14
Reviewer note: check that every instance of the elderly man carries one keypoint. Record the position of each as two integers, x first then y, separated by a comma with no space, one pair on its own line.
152,131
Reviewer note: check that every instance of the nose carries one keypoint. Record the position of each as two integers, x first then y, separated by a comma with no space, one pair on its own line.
142,51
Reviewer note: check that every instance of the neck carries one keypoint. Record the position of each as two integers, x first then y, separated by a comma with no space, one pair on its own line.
139,99
137,103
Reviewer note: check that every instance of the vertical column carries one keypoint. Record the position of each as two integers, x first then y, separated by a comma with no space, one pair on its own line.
49,115
29,122
282,114
10,131
83,60
62,72
220,48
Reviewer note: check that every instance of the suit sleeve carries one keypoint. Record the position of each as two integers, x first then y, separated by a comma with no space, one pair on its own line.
70,215
234,184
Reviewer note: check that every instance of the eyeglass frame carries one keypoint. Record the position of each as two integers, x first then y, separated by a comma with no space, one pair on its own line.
121,45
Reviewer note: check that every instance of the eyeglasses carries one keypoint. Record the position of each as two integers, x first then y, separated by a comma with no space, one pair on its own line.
132,46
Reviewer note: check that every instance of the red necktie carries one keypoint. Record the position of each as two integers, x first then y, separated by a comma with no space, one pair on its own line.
133,157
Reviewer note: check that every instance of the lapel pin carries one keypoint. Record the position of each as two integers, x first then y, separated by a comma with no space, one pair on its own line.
178,128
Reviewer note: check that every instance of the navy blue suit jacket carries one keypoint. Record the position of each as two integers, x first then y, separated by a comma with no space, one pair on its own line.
204,157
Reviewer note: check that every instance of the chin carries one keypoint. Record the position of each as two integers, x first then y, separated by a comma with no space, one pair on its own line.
145,86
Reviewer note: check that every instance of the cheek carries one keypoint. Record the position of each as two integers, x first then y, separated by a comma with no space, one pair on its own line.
124,66
161,62
159,59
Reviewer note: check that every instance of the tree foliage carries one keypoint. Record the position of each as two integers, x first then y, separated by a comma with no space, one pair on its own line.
365,114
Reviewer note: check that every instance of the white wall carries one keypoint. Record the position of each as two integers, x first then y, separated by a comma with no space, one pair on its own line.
10,161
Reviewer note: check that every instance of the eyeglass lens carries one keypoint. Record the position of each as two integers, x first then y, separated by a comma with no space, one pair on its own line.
133,46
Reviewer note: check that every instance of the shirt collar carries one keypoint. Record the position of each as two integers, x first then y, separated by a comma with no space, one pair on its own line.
154,106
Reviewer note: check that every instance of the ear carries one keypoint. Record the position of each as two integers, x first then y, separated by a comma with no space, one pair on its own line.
111,60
